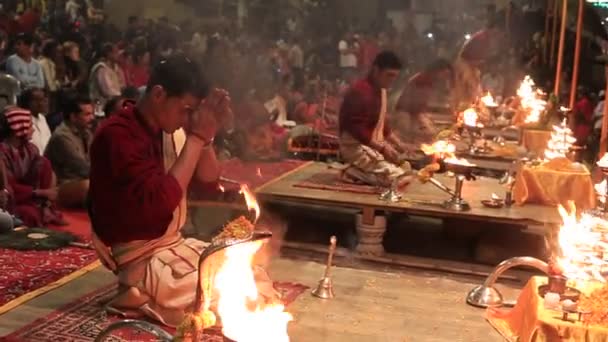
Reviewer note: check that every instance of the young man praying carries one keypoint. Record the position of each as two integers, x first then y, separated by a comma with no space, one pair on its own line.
367,143
142,163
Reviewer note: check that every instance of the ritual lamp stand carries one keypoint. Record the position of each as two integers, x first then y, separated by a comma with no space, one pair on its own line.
456,203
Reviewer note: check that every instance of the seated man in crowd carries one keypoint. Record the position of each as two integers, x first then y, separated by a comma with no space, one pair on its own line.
68,151
22,64
142,164
30,180
37,102
413,119
367,143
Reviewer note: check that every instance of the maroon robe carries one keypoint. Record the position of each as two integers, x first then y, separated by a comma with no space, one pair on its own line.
26,171
360,111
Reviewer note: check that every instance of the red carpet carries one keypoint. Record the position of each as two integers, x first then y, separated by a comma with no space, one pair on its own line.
83,319
25,271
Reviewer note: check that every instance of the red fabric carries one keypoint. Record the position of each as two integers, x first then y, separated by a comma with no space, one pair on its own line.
369,51
25,271
132,197
83,319
19,121
26,171
360,111
583,110
137,75
29,21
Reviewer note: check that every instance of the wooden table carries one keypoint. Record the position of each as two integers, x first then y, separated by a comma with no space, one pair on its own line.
371,227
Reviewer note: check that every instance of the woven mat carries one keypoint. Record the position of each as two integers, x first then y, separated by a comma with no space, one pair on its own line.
83,319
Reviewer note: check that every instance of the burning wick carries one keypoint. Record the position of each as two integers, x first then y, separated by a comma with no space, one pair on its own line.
221,187
470,117
252,203
259,172
495,198
488,100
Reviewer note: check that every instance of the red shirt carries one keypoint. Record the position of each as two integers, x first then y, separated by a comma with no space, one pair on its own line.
131,195
360,111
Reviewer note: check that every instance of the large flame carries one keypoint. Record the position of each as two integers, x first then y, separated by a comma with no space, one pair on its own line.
531,100
582,250
561,142
488,100
469,117
244,316
252,203
441,149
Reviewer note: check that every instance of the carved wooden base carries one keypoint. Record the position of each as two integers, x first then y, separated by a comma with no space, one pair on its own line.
370,231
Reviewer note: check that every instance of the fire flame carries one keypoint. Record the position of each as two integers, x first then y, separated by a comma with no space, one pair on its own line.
458,161
495,197
469,117
561,142
441,148
221,187
258,172
531,100
252,203
603,162
245,318
582,250
488,100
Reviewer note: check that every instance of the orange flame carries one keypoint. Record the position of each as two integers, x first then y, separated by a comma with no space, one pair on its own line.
458,161
488,100
581,248
259,172
495,197
252,203
221,187
531,100
441,149
469,117
244,316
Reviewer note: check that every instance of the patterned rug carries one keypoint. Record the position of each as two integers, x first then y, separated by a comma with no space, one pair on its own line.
83,319
24,271
331,181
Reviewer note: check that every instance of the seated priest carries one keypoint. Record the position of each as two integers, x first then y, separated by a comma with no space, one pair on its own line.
413,119
367,144
31,183
68,151
142,163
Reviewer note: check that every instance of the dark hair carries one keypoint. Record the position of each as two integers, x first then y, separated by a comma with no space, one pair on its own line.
72,104
50,48
106,50
108,109
26,96
387,60
178,76
24,38
130,93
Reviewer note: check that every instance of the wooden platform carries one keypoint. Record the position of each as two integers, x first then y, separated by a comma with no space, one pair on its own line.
419,199
370,305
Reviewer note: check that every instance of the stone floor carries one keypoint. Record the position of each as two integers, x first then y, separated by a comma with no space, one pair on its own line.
370,305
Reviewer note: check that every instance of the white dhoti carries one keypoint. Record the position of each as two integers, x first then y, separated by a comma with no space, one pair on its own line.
365,163
158,278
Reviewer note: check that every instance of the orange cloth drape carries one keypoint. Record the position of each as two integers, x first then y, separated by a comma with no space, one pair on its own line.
535,141
529,321
549,186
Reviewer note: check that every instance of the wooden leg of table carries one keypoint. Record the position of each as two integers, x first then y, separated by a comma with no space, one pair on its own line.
370,231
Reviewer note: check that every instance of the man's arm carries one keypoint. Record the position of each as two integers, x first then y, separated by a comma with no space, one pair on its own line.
40,79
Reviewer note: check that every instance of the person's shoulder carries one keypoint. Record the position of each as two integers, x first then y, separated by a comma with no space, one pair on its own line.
12,58
115,128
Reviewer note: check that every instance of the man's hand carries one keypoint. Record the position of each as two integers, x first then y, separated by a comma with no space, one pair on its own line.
204,123
391,154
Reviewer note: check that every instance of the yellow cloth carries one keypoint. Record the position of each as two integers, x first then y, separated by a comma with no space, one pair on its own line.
529,321
549,185
535,141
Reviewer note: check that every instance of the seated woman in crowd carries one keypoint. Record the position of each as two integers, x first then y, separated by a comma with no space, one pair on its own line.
30,179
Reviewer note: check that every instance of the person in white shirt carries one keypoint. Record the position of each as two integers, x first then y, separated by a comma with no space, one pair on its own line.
23,66
348,57
37,102
106,80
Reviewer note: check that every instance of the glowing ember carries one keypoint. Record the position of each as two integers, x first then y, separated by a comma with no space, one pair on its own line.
221,187
583,251
458,161
603,162
561,142
259,172
244,316
442,149
600,189
488,100
469,117
252,203
531,100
